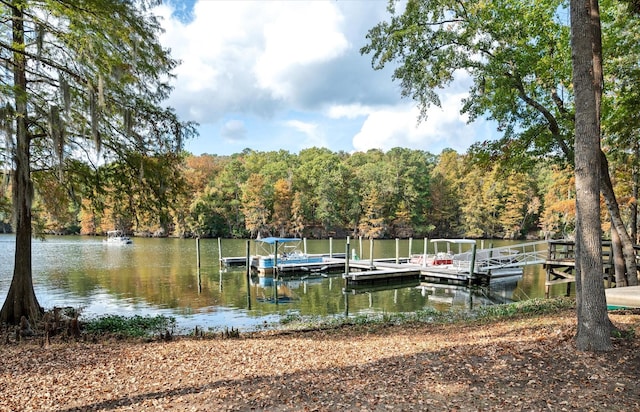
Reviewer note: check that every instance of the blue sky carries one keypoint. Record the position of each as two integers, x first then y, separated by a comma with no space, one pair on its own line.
271,75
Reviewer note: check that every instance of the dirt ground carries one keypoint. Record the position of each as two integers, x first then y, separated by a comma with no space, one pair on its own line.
524,364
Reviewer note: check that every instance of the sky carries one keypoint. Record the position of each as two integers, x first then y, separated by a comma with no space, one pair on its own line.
270,75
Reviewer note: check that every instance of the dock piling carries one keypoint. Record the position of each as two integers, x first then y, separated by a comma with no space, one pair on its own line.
198,252
410,247
371,252
275,261
346,259
424,253
248,274
472,266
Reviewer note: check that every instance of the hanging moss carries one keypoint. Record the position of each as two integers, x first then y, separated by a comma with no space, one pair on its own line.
101,101
39,39
127,120
7,115
56,130
94,113
65,93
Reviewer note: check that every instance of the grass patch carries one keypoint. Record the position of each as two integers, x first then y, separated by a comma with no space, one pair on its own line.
129,326
532,307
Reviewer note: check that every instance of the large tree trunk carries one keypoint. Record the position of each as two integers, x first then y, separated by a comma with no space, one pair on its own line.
21,298
606,187
593,322
634,203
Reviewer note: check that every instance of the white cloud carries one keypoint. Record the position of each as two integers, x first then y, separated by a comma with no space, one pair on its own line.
245,56
398,127
234,130
296,35
350,111
273,75
312,134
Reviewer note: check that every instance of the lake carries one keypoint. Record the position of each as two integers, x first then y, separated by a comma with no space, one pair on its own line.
160,276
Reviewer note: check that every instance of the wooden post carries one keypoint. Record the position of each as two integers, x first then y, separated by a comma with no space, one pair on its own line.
304,243
490,257
275,261
397,251
371,251
360,248
424,254
220,252
347,250
346,301
547,287
248,273
346,259
275,290
198,252
330,247
473,263
410,247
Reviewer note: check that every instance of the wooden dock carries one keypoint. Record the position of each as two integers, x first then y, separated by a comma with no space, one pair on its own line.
560,264
488,266
233,261
624,297
357,288
382,273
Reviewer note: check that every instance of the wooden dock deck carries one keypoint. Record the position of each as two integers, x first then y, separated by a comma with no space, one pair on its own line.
625,297
560,264
382,273
233,261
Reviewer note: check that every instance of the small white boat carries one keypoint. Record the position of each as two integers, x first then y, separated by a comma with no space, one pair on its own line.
117,237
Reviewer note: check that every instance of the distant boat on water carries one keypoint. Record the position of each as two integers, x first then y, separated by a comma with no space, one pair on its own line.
117,237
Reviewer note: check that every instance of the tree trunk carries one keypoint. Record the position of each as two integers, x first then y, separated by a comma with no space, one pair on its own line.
21,298
618,259
606,187
634,203
593,322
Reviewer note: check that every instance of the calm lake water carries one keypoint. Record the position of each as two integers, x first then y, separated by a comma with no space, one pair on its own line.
160,276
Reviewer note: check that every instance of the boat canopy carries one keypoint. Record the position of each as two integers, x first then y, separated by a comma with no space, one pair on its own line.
273,240
455,241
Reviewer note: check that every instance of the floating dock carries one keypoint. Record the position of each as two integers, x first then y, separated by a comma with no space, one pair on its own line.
623,297
233,261
488,264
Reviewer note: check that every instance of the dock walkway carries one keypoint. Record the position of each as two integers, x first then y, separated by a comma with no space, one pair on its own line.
625,297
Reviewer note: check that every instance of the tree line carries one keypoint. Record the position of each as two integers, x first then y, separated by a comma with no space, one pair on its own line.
318,193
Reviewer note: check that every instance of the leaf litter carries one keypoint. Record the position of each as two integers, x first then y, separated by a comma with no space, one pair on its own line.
529,363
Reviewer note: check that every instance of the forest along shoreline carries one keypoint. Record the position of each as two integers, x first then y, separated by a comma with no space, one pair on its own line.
519,356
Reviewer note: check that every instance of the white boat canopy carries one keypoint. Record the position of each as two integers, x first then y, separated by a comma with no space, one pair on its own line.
450,242
455,241
273,240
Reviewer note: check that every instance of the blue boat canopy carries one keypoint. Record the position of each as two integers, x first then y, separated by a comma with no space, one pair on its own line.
273,240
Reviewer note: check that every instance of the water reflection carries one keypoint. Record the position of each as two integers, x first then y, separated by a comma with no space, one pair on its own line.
161,276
